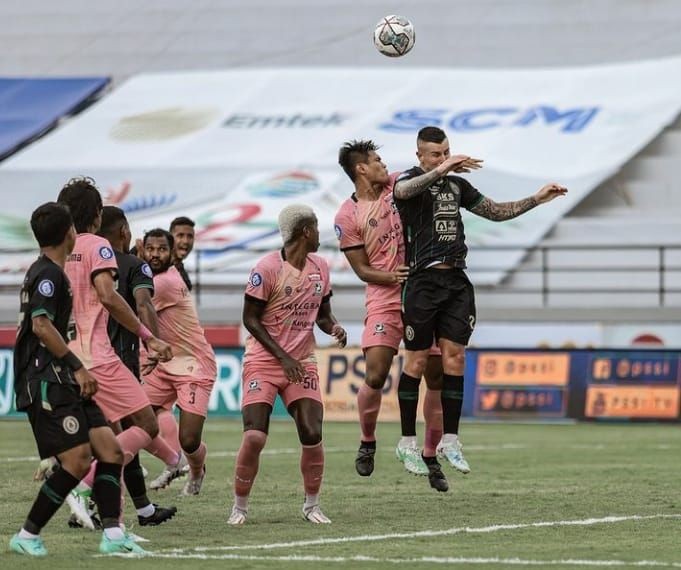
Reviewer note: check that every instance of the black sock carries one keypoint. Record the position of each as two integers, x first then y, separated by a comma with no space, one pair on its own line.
452,401
368,444
51,496
106,492
430,460
408,397
134,481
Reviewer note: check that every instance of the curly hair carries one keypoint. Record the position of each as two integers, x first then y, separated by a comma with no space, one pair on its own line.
83,200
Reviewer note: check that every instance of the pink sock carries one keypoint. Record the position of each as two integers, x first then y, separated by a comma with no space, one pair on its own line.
432,411
123,491
131,441
197,460
368,403
89,478
160,448
169,430
312,467
247,461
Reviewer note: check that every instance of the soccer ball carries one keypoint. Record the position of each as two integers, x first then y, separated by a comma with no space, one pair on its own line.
394,36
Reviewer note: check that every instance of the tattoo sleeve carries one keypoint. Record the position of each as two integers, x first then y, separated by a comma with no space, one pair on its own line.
503,210
406,189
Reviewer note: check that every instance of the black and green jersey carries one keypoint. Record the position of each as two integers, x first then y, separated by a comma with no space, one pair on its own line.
46,291
133,274
431,221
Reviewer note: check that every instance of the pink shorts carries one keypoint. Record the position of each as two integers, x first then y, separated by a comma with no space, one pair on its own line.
385,329
261,384
382,329
119,393
191,394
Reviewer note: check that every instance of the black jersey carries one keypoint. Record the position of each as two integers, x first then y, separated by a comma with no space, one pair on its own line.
432,225
133,273
46,291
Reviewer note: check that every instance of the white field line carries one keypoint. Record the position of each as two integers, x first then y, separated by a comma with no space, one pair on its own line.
280,451
20,459
428,533
422,560
296,450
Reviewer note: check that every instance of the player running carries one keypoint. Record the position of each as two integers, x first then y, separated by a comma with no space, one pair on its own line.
189,377
55,389
91,269
369,231
287,293
136,286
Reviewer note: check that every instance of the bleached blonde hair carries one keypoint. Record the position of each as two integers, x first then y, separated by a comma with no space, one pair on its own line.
292,220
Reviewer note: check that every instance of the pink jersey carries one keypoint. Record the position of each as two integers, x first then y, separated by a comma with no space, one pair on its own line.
292,299
91,255
181,329
375,226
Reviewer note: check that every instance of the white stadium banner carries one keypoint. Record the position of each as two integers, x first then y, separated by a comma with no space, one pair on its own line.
230,148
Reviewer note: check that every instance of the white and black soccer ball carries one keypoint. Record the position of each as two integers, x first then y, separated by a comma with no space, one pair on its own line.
394,36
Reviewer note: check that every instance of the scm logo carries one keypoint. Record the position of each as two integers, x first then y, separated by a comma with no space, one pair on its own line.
568,121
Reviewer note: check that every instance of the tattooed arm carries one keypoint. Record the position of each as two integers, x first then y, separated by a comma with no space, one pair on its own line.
498,212
406,189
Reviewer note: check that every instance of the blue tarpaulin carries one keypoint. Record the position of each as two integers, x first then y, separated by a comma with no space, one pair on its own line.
30,107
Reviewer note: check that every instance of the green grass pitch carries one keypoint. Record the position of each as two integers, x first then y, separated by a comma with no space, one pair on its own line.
609,495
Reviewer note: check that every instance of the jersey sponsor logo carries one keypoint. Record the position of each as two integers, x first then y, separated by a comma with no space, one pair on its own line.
105,252
256,279
568,121
445,226
446,208
46,288
147,270
70,425
338,230
314,277
409,332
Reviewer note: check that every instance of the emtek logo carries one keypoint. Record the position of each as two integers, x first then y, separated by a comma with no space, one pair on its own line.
566,120
297,120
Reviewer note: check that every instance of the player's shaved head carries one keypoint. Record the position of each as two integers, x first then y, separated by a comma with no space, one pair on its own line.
431,134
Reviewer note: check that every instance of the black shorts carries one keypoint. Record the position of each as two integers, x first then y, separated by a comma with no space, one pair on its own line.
437,303
61,419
